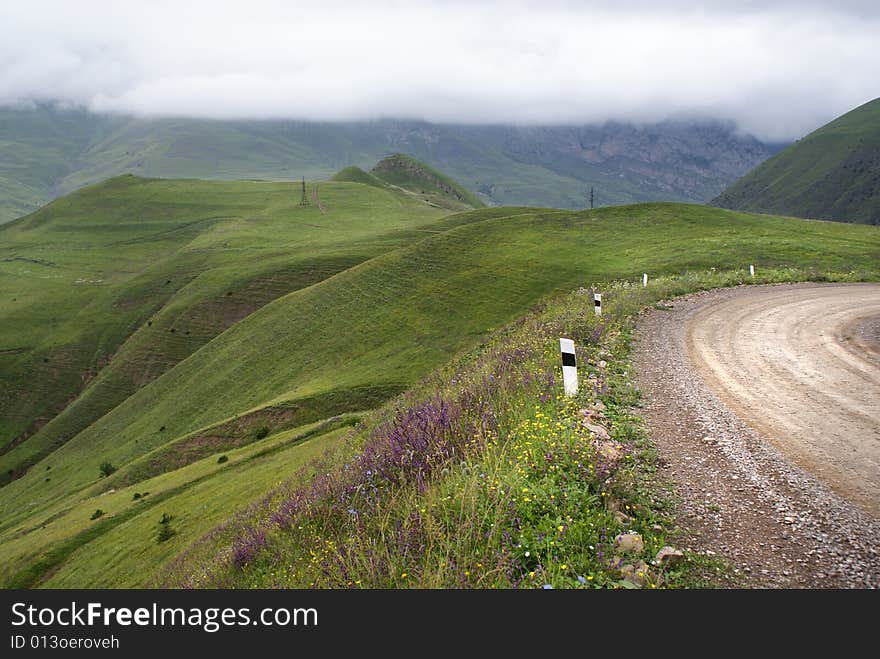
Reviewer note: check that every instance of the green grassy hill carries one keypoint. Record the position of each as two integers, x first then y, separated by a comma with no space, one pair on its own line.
283,317
104,290
833,173
354,174
410,174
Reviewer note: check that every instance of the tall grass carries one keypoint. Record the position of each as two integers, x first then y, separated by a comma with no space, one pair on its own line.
484,475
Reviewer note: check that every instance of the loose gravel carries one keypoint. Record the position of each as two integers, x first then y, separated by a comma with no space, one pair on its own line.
739,497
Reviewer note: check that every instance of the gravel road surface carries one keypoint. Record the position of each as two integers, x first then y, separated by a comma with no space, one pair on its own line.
764,403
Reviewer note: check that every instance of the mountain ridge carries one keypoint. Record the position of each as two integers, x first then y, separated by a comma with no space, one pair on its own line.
832,173
46,152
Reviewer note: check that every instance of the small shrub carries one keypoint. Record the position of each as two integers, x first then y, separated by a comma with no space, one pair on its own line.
107,468
165,530
98,513
261,432
137,495
222,459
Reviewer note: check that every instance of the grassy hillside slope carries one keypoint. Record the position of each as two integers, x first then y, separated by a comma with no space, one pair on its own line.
484,475
218,335
832,173
386,322
199,496
355,174
104,290
410,174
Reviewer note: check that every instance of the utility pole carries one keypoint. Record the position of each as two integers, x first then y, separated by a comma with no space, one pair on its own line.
305,199
591,196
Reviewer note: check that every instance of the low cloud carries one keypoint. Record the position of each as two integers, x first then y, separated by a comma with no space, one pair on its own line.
777,69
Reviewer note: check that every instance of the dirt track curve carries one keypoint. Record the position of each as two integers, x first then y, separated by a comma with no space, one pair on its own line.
764,403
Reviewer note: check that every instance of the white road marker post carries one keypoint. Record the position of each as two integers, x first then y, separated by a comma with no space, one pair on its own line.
752,270
645,280
597,303
569,367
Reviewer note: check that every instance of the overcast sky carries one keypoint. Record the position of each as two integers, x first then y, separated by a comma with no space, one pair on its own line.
779,68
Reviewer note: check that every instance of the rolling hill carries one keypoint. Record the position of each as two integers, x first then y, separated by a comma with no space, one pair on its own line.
131,276
833,173
408,173
46,152
187,321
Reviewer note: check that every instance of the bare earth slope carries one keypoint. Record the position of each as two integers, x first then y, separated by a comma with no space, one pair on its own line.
774,437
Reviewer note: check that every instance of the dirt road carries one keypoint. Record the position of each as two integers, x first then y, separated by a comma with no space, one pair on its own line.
764,402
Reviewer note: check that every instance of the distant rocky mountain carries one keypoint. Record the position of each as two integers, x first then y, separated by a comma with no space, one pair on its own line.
46,152
833,173
670,160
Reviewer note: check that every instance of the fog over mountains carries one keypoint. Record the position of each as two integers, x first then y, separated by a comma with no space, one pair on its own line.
525,102
778,68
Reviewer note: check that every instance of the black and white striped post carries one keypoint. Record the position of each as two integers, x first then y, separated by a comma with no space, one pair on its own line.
569,367
752,270
645,280
597,303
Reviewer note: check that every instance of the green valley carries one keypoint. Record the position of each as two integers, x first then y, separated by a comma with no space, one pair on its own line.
152,328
